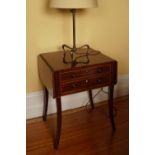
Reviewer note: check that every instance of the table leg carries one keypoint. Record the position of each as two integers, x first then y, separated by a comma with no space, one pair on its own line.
59,122
91,98
110,103
45,104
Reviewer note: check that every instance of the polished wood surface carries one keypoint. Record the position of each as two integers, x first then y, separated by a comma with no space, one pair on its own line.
57,64
83,133
65,79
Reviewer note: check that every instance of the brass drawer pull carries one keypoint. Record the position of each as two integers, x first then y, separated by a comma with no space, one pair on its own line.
73,75
99,81
86,70
86,81
75,85
99,70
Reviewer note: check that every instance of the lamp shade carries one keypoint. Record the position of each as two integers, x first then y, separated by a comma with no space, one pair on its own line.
72,4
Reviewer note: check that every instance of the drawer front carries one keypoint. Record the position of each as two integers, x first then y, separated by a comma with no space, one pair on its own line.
85,84
84,72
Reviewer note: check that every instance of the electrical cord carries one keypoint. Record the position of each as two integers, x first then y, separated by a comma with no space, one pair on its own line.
90,52
88,103
86,54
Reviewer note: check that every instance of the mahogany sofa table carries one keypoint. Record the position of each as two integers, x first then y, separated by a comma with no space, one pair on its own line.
65,79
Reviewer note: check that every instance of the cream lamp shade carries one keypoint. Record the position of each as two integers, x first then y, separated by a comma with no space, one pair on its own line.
72,4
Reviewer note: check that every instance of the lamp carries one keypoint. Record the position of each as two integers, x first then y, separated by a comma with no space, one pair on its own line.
73,5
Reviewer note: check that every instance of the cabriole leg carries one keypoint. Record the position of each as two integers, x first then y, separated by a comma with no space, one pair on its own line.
91,98
110,104
59,121
45,104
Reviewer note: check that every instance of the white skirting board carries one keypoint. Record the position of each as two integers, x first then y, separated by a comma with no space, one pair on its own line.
34,100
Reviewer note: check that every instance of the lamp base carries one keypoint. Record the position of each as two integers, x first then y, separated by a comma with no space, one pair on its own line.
75,55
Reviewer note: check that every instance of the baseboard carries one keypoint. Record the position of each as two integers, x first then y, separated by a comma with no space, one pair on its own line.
34,100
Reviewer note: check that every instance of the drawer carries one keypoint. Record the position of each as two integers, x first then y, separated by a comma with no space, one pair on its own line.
84,72
85,84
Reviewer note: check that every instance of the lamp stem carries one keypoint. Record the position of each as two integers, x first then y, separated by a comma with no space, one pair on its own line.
73,11
74,50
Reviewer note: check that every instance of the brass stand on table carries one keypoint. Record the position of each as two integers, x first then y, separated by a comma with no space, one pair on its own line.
74,55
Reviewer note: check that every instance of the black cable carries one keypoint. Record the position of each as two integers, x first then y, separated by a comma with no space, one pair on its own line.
87,104
90,52
87,53
106,92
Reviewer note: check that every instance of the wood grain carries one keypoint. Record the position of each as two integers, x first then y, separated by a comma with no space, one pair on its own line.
65,79
83,133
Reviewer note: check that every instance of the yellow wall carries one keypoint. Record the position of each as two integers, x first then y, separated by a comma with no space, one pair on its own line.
105,28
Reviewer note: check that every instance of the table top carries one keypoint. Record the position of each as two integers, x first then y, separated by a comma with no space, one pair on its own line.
55,60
